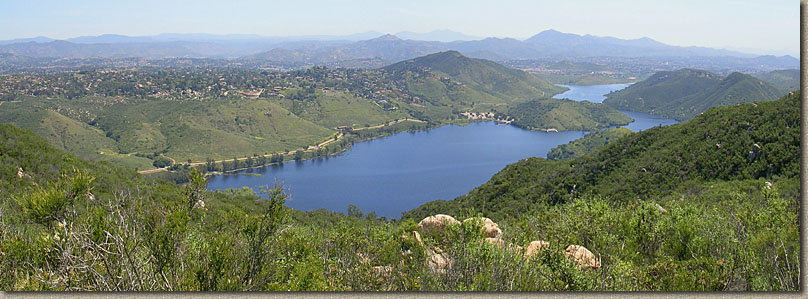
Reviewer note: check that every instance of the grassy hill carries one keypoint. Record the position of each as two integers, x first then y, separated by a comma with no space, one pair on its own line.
193,130
685,93
563,115
68,134
785,80
587,144
488,81
340,109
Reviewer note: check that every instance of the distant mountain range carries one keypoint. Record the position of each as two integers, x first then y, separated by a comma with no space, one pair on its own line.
368,45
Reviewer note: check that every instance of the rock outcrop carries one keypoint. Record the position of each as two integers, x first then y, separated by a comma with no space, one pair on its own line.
436,223
585,258
490,228
437,261
533,248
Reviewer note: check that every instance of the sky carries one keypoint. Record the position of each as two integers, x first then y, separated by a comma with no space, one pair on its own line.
755,25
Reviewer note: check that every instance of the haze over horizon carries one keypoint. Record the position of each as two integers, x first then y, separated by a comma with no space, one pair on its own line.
761,28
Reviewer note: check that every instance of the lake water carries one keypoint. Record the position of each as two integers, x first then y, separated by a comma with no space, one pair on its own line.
398,173
592,93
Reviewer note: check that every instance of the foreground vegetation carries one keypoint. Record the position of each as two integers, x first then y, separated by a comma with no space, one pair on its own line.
663,209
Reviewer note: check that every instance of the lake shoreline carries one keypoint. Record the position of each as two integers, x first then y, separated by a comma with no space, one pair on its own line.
392,175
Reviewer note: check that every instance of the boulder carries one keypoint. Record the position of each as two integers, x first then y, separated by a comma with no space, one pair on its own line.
437,261
436,223
585,258
490,228
534,247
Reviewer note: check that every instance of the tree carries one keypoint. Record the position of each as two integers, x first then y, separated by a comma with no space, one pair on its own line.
161,161
298,155
354,211
273,217
195,189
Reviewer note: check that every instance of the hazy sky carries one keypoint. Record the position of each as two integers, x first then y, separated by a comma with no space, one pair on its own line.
761,24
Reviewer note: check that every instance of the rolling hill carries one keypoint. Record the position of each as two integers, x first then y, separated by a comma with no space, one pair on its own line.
565,115
786,80
685,93
502,84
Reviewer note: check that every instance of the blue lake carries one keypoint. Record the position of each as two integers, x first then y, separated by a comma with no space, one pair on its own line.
592,93
398,173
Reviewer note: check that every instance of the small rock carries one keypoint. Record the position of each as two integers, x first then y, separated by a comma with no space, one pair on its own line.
490,227
437,262
436,223
585,258
534,247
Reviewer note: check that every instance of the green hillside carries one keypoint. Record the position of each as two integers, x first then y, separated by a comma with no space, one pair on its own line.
587,144
785,80
685,93
194,130
564,115
489,81
747,142
68,134
340,109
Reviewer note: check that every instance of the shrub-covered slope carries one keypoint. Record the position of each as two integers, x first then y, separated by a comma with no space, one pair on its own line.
750,141
494,82
785,80
685,93
587,144
564,115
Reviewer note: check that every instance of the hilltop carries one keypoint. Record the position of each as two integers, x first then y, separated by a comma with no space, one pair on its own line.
785,80
484,76
564,115
685,93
